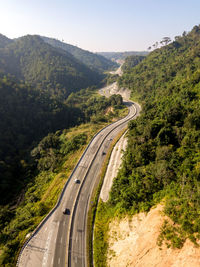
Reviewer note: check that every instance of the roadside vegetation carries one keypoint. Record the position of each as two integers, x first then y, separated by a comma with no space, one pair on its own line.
161,162
47,163
92,251
49,111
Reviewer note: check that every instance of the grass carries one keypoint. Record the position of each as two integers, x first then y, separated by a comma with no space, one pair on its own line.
42,193
40,197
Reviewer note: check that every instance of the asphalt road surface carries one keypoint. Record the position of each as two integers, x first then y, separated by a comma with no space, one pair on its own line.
61,239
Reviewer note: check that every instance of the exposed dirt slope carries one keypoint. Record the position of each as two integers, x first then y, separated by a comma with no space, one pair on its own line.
133,243
113,166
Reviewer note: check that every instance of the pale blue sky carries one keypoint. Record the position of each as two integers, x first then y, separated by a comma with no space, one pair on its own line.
100,25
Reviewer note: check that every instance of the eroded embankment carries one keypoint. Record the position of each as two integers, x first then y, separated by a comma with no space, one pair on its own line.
133,242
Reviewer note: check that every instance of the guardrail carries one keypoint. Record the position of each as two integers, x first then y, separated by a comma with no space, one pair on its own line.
63,191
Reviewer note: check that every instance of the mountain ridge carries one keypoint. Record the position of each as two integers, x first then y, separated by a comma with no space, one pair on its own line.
94,61
47,68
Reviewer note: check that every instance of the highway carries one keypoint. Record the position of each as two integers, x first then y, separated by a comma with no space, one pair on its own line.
61,238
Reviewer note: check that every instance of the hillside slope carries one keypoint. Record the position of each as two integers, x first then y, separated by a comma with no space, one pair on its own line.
132,243
162,160
93,61
32,60
37,155
26,115
4,41
115,56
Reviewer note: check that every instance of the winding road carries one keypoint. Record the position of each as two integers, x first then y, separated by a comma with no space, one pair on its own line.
60,240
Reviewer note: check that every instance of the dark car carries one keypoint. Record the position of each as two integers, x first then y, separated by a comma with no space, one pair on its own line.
66,211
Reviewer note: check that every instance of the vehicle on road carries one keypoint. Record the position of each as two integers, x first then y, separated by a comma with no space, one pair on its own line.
66,211
77,181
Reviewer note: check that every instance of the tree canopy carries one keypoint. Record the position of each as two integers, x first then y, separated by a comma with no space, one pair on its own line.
95,62
45,67
162,157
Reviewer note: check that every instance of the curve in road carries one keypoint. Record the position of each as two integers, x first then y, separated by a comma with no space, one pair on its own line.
60,240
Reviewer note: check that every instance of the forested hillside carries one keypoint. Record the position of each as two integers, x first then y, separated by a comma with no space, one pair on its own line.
4,41
122,55
26,115
163,156
33,151
93,61
46,68
162,161
131,61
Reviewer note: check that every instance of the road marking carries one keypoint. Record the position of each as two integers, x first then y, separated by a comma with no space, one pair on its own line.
61,240
58,260
47,245
76,239
75,259
45,229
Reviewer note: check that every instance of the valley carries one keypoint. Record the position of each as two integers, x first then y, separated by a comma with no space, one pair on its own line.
57,226
62,110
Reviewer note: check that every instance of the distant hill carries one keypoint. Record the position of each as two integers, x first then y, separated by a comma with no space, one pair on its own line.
115,56
4,41
45,67
93,61
131,61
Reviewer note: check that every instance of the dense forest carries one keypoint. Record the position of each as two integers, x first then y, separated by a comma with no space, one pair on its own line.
45,91
122,55
26,116
45,67
130,62
33,149
4,41
95,62
162,160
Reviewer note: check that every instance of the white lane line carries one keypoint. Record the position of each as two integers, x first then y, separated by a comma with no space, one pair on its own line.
76,239
61,240
58,260
47,245
75,259
45,229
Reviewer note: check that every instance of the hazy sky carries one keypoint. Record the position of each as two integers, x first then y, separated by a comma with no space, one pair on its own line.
100,25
